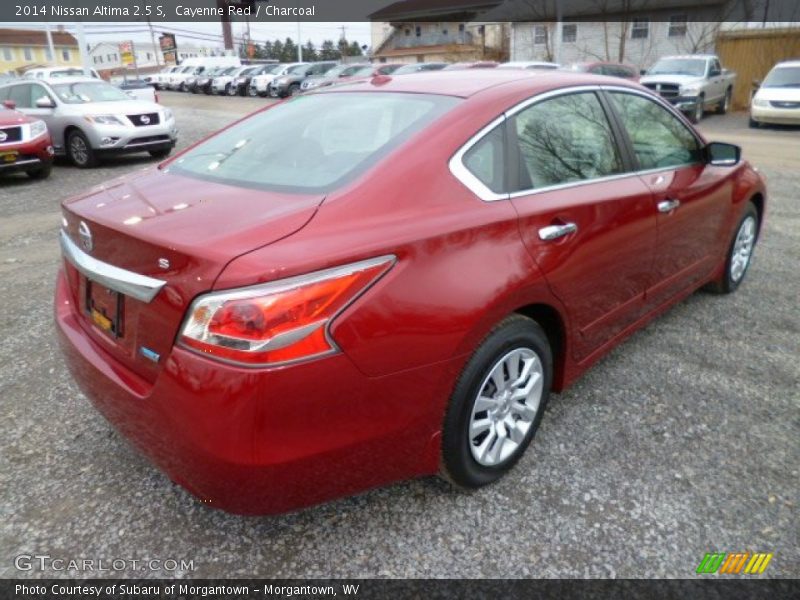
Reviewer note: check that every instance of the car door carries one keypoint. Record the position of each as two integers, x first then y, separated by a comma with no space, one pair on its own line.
586,219
691,199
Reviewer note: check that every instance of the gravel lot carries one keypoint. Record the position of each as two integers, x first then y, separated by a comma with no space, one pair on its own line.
684,440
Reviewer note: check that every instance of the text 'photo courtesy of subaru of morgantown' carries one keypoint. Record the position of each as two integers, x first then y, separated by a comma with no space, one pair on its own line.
395,289
89,119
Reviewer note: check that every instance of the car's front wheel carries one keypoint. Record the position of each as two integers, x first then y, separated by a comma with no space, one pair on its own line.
725,104
79,150
740,252
497,404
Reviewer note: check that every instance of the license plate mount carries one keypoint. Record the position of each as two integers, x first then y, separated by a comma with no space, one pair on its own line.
105,308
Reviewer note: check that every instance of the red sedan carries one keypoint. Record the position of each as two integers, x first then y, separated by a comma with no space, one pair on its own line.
25,144
395,289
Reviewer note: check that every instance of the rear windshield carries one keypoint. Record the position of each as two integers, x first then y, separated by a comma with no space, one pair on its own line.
312,143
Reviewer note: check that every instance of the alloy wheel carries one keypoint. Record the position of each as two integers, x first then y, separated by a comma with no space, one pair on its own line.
78,150
743,248
505,407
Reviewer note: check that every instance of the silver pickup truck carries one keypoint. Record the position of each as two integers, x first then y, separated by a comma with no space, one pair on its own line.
692,83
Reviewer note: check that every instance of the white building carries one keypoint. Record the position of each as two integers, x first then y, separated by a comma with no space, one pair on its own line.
105,56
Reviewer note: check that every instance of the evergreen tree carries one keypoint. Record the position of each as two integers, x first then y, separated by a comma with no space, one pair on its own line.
268,49
277,50
289,53
354,49
328,51
310,52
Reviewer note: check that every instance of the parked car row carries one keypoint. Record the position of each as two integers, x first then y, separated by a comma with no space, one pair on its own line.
83,119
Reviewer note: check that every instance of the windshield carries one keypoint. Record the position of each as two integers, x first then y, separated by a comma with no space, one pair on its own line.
67,73
783,77
335,71
679,66
360,72
89,91
325,140
407,69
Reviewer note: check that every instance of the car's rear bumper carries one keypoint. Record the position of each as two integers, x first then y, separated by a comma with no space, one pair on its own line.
30,155
255,441
778,116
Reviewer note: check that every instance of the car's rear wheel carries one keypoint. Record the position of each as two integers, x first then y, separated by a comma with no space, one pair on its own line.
42,172
293,90
232,90
497,404
740,252
80,151
725,104
252,91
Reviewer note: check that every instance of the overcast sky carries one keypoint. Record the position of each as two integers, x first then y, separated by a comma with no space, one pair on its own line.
259,32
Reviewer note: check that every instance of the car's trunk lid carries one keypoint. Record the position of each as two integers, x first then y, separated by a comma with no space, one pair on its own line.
178,230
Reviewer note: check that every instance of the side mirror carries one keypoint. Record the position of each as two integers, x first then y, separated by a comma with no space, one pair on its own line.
756,83
9,104
721,154
45,102
642,71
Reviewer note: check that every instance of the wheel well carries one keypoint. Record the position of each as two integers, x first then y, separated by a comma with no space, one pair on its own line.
550,321
67,131
758,202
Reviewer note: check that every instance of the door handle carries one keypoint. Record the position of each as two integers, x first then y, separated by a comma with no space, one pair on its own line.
666,206
552,232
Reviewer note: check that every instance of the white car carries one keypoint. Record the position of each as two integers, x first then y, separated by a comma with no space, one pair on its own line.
778,97
160,79
260,83
51,72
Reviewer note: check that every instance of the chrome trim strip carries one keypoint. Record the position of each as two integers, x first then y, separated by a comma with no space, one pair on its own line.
142,144
125,282
30,161
463,174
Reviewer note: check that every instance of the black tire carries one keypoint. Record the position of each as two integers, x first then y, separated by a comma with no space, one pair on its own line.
42,172
159,154
79,151
728,282
458,464
182,87
753,124
725,103
698,111
232,90
293,90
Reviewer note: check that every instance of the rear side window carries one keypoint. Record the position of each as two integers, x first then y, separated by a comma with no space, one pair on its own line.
565,139
486,160
659,138
325,139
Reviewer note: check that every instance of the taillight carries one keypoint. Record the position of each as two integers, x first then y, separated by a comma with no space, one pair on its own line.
278,322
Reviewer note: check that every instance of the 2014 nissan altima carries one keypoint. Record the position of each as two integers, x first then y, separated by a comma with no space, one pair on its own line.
396,287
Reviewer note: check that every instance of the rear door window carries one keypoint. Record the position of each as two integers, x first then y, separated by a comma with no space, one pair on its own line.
565,139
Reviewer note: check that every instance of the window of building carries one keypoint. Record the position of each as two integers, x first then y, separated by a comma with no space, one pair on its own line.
408,32
540,35
65,55
640,29
28,53
460,28
8,54
418,31
565,139
48,55
569,32
149,56
444,31
677,26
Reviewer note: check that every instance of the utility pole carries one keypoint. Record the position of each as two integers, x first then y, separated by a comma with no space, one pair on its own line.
227,33
50,44
83,49
299,44
156,49
558,34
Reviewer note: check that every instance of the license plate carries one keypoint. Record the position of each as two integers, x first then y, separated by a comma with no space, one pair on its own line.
105,308
8,157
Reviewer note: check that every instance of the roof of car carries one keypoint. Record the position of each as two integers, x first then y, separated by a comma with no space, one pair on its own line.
789,63
468,82
81,79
